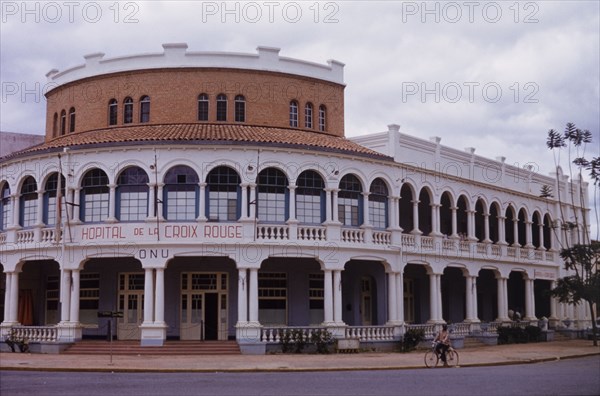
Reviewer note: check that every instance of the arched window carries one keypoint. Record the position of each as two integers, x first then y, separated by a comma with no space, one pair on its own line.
221,107
94,196
272,195
72,119
180,195
378,198
112,112
132,195
310,198
5,207
308,115
294,114
223,194
128,111
240,108
145,108
322,118
55,125
350,201
203,107
50,199
63,122
28,204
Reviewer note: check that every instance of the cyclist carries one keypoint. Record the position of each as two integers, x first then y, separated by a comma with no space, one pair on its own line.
442,340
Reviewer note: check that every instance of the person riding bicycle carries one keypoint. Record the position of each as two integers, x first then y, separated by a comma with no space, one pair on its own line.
442,340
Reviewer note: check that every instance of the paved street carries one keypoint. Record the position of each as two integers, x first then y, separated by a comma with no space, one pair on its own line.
578,376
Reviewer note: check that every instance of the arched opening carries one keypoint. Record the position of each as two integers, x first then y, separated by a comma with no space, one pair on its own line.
480,220
535,230
425,223
522,227
378,200
446,214
181,194
132,194
223,194
509,226
350,201
462,220
310,198
272,196
453,285
494,222
405,206
487,295
547,232
364,300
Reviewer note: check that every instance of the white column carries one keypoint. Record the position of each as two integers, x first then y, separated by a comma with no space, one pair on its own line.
474,304
438,282
328,210
111,203
516,232
7,296
501,230
553,302
16,208
541,234
244,214
435,219
159,304
400,296
148,296
366,217
337,296
454,222
242,295
39,216
392,298
202,202
76,210
14,297
65,296
435,297
335,213
151,200
471,225
416,229
253,304
292,202
253,203
469,298
75,277
528,225
486,228
529,300
327,297
160,201
502,299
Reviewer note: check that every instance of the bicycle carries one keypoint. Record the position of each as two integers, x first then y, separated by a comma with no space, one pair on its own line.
432,358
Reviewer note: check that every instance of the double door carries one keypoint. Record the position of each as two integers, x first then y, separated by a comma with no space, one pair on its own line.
203,306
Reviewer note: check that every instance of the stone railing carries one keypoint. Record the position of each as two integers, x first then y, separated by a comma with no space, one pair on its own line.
496,250
464,246
460,329
25,236
3,237
382,237
408,240
427,243
353,235
272,232
370,333
35,333
312,233
481,248
511,251
430,330
549,255
49,235
274,335
490,327
448,244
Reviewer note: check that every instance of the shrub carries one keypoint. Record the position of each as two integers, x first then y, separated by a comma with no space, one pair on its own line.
411,339
322,339
518,335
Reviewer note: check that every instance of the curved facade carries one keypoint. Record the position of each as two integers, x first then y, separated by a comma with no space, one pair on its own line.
213,196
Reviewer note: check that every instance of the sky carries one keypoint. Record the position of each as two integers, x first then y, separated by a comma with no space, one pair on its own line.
493,75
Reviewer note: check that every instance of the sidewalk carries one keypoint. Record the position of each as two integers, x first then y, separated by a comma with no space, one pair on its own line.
480,356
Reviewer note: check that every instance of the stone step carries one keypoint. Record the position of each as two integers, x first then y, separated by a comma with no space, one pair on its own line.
169,348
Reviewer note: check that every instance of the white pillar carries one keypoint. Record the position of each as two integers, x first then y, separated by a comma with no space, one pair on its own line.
502,299
438,281
327,297
416,229
469,298
392,298
541,234
253,202
366,217
14,298
75,282
553,302
528,225
486,228
111,203
76,210
292,202
202,202
516,232
253,304
435,219
471,225
529,300
474,305
335,212
151,201
501,230
39,217
148,296
244,203
160,201
242,295
65,296
454,222
328,204
7,297
435,298
400,296
337,296
159,304
16,208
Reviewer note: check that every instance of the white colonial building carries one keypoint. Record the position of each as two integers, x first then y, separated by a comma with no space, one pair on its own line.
213,196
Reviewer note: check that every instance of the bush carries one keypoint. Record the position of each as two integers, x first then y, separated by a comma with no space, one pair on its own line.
411,339
295,340
518,335
322,339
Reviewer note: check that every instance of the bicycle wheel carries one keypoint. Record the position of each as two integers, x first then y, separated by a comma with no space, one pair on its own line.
431,359
452,358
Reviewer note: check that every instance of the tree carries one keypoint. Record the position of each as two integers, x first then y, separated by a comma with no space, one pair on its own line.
581,255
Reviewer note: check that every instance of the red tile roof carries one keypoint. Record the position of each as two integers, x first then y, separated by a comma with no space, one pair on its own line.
208,134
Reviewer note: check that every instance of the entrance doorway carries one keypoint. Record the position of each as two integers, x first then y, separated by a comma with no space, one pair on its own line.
203,306
131,303
366,301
